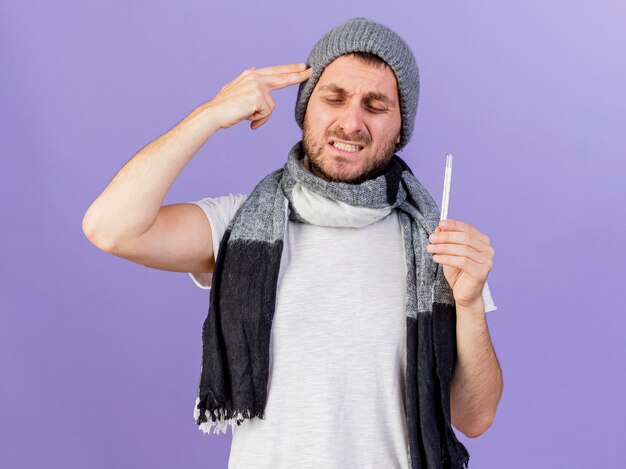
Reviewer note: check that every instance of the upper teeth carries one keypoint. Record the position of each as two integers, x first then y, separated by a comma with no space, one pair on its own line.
345,146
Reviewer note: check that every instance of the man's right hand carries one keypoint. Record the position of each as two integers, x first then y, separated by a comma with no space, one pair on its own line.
248,97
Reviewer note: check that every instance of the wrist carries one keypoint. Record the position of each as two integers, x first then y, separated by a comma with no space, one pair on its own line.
475,309
205,116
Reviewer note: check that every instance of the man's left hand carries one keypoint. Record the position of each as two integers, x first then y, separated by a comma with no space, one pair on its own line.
467,258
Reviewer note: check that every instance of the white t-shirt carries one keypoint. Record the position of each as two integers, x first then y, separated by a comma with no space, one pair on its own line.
336,390
220,210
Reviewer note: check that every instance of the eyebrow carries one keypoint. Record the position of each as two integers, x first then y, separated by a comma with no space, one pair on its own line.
376,95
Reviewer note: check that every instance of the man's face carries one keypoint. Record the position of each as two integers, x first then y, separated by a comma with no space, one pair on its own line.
355,104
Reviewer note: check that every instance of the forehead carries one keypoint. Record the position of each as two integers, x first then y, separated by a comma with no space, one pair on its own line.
355,76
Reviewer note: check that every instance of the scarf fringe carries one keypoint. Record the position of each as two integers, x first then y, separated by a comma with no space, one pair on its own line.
221,417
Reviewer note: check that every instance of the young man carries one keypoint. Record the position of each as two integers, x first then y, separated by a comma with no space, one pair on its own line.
346,328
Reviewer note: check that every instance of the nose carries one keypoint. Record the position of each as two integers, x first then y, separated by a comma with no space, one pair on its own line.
351,118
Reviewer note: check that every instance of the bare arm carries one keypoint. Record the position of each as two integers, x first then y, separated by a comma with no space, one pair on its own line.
129,205
467,257
477,380
127,218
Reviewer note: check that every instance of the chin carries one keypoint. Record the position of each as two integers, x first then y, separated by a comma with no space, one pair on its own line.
352,175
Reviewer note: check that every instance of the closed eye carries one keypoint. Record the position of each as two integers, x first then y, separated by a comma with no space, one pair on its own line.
339,101
375,109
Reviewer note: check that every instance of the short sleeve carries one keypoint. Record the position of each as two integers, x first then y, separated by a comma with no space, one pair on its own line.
220,211
489,305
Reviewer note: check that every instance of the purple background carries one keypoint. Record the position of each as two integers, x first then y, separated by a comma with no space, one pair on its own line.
100,357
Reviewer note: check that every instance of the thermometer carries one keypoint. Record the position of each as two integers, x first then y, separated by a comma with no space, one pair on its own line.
446,187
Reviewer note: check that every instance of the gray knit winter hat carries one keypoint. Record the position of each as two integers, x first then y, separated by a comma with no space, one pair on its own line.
364,35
